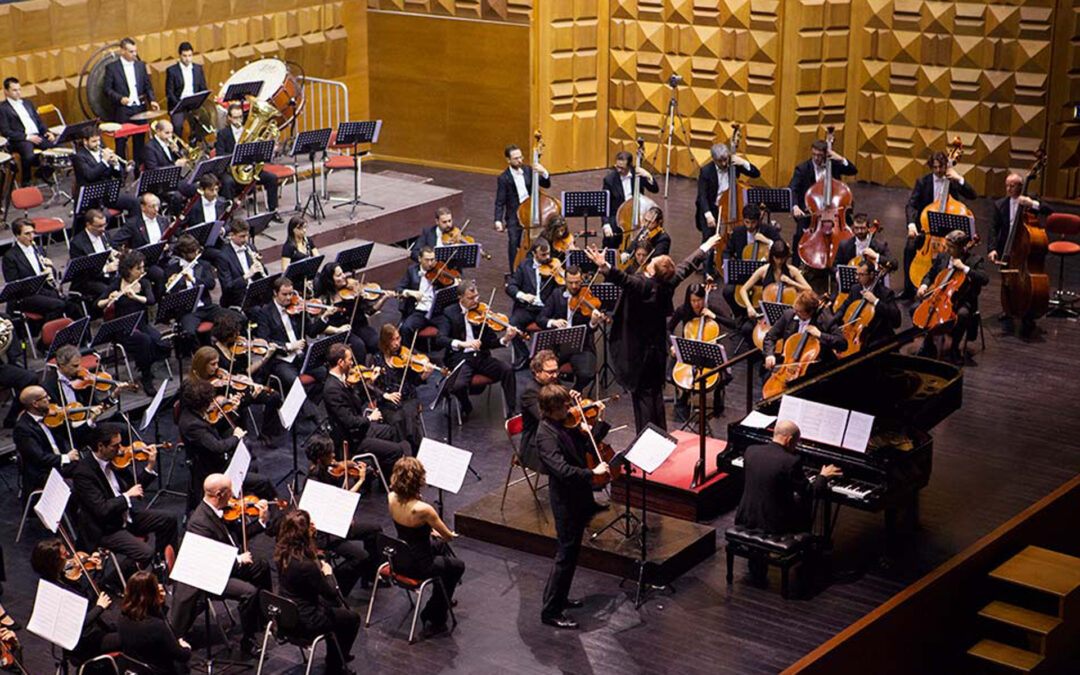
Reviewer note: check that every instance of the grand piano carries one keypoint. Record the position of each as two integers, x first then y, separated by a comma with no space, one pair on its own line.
907,395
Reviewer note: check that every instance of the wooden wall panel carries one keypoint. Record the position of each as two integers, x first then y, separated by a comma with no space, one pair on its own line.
1063,174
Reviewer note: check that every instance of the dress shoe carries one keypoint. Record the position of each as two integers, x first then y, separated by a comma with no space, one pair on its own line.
276,217
148,386
598,507
559,621
576,603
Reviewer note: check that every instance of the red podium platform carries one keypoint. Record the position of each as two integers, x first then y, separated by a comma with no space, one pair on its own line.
669,491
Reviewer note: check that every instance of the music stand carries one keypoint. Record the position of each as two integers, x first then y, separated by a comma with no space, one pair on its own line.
316,351
152,252
239,91
773,311
576,256
444,297
21,288
258,224
214,165
174,305
305,268
774,199
206,234
609,295
258,292
71,334
96,195
114,333
250,154
356,258
572,338
738,271
356,133
443,395
458,256
77,267
162,180
76,131
941,223
585,203
189,103
702,356
308,143
845,277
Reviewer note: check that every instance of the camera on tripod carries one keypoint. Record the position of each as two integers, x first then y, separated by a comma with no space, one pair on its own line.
675,80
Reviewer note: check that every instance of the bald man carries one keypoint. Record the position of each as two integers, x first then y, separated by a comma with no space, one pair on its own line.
249,574
40,448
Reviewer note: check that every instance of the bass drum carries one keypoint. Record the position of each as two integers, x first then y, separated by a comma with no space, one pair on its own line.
92,97
281,87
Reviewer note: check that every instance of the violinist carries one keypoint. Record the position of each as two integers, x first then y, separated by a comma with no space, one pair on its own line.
619,182
641,252
544,368
398,399
433,237
866,244
290,332
533,282
808,315
557,234
778,269
927,190
25,259
511,189
91,240
751,231
334,287
233,351
298,244
144,634
557,313
109,515
186,271
205,366
712,186
472,344
40,447
211,206
238,264
874,291
805,175
58,382
416,294
694,306
966,300
652,231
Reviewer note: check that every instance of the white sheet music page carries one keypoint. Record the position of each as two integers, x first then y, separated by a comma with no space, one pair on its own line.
650,450
237,470
54,498
331,508
152,409
58,615
823,423
293,401
758,420
857,436
204,563
445,465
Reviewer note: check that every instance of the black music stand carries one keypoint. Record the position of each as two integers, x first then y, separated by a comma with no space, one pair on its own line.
356,133
444,297
443,395
14,291
76,131
84,265
845,278
239,91
585,203
259,224
258,292
171,307
774,199
356,258
71,334
703,356
738,271
96,195
162,180
206,234
114,333
189,103
309,143
316,351
152,252
941,223
250,154
609,295
576,256
457,256
570,339
305,268
773,311
214,165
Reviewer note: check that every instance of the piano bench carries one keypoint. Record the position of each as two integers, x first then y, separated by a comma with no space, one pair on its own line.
782,550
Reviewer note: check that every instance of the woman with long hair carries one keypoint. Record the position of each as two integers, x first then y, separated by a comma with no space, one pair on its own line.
297,244
144,633
693,307
334,287
205,364
398,401
777,269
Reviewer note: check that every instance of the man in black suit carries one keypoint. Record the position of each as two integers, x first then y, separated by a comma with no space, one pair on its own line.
432,237
557,314
211,205
14,378
276,325
249,574
182,79
227,139
712,185
639,333
40,448
93,163
108,515
237,264
927,190
869,245
965,300
804,176
162,150
363,429
93,239
24,259
57,381
143,229
21,124
619,182
465,343
751,230
544,368
416,295
562,452
529,289
652,234
511,188
128,86
807,315
188,269
879,297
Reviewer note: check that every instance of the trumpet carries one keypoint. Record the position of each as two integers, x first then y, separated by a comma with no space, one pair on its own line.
110,157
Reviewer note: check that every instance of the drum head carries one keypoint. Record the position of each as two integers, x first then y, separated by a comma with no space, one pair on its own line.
271,72
94,86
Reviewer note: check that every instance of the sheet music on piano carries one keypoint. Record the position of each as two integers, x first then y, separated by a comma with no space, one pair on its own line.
827,423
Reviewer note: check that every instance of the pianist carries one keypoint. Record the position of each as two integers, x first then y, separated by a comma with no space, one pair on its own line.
777,492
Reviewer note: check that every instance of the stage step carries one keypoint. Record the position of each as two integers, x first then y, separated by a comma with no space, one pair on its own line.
1041,570
1005,656
1020,617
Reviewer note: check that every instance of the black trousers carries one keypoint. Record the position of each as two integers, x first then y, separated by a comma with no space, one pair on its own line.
514,233
146,347
406,421
230,189
244,585
177,120
127,543
414,322
737,310
569,528
27,159
382,441
288,371
520,318
582,364
49,305
346,624
15,379
489,366
359,549
449,569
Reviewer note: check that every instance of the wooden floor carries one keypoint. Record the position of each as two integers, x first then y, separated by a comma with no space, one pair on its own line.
1013,441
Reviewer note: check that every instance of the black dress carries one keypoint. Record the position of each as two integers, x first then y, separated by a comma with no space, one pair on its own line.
152,641
319,607
405,418
431,557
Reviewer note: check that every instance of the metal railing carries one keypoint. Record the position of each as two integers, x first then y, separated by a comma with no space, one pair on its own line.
327,104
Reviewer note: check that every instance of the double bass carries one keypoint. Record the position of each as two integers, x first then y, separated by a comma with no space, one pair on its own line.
1025,286
730,201
932,245
534,212
629,214
828,201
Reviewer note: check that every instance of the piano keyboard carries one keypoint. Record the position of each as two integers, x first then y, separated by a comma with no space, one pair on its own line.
847,487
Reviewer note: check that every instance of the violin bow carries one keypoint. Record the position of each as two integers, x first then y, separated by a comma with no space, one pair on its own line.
64,404
356,301
344,463
483,323
131,447
303,312
75,555
408,364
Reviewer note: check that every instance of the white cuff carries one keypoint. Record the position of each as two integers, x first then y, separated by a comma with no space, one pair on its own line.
457,344
520,296
64,459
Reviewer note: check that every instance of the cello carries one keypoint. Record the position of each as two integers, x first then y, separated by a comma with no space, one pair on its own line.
629,214
702,329
1025,286
800,350
937,308
932,245
730,201
828,201
860,314
534,212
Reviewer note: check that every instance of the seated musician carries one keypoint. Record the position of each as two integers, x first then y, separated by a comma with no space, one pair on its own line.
532,283
226,142
233,352
1005,214
865,245
432,237
652,231
810,315
238,264
163,151
144,229
57,381
641,252
182,79
557,234
471,345
22,126
334,287
966,300
927,190
557,314
317,589
144,634
619,182
712,185
128,88
25,259
290,332
186,270
14,378
94,163
398,400
511,189
805,175
93,239
356,419
297,244
778,269
751,231
694,307
41,448
776,493
206,367
882,298
418,525
211,205
416,294
128,293
250,573
109,516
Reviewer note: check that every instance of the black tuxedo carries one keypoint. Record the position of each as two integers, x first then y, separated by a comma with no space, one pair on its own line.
583,363
223,147
529,408
116,88
89,170
412,320
46,302
775,490
205,310
134,233
12,128
35,452
210,453
708,184
174,84
428,237
451,325
845,252
90,283
154,156
231,275
922,195
196,216
832,338
1000,225
802,179
345,409
507,203
272,328
613,184
886,313
524,280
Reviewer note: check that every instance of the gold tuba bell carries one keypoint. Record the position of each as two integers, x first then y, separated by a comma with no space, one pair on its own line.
260,126
7,334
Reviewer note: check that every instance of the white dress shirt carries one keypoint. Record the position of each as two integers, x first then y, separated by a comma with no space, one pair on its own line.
427,290
721,182
209,209
165,147
287,321
64,459
153,230
28,123
31,256
98,243
188,75
519,182
242,256
627,186
133,87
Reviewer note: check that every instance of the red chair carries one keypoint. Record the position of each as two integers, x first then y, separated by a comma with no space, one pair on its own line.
26,198
340,159
514,428
283,173
398,555
1064,225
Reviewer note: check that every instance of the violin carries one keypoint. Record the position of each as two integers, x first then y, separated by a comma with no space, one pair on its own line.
604,453
414,360
299,305
359,373
222,408
588,407
584,302
235,381
937,307
100,381
369,291
702,329
11,650
73,571
553,270
860,314
257,346
137,451
457,235
74,413
828,201
442,276
246,505
482,314
339,468
933,245
534,212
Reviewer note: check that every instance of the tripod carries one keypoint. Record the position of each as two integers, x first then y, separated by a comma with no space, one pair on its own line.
313,201
626,523
667,122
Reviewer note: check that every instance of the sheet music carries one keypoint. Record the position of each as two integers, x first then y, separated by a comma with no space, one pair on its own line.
331,508
790,409
445,465
650,450
238,468
54,498
857,435
58,615
816,421
291,407
151,410
204,563
758,420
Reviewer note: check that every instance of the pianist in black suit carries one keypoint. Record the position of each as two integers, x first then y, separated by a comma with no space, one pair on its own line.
21,124
619,182
224,146
511,188
128,87
805,175
184,78
883,300
809,314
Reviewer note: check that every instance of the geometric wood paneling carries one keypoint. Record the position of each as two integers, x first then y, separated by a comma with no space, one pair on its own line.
512,11
1063,139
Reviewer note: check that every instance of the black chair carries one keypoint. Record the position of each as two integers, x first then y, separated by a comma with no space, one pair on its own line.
283,622
781,550
398,556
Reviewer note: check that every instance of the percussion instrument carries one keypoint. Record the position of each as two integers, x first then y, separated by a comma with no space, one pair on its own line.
148,115
110,127
281,88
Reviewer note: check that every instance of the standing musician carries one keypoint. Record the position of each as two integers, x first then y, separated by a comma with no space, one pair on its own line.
562,452
927,190
397,399
639,337
334,287
226,142
557,314
21,124
93,239
290,332
93,163
25,259
471,344
41,448
144,634
297,244
416,294
777,269
238,264
966,300
619,182
432,237
350,416
751,231
142,229
864,243
1005,210
108,516
712,184
511,189
206,367
187,270
250,575
128,86
182,79
808,315
886,312
532,283
694,306
211,205
805,175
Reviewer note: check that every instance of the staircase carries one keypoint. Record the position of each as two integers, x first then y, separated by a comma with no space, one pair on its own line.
1033,624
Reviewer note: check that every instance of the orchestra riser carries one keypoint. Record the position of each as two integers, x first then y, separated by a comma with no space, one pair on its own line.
674,545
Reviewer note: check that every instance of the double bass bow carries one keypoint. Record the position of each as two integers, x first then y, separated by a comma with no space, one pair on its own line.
933,245
1025,286
828,201
534,212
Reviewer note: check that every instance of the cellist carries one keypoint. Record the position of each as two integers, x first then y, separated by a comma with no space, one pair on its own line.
865,245
808,173
751,231
511,189
619,182
966,300
874,291
808,315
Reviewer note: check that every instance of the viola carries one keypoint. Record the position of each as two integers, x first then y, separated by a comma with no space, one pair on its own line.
933,245
590,408
100,381
256,346
90,562
442,276
359,373
414,360
604,453
457,235
800,350
235,381
828,201
137,451
534,212
247,506
11,651
222,408
74,413
553,270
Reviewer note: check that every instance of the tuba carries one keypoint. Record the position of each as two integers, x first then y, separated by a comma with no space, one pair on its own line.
260,126
7,333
